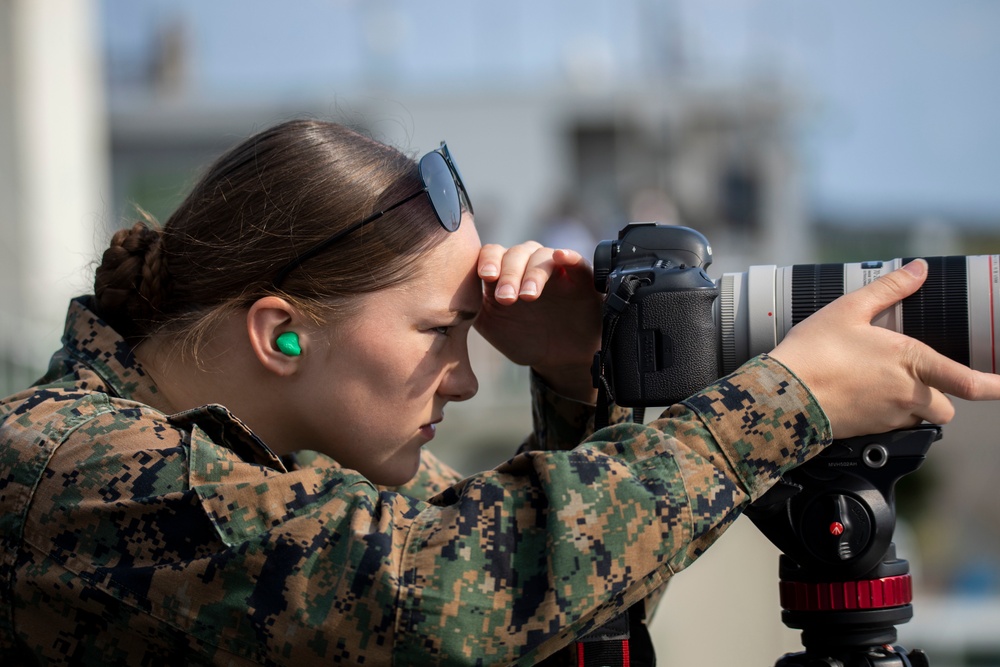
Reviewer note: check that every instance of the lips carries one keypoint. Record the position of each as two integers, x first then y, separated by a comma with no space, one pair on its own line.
428,430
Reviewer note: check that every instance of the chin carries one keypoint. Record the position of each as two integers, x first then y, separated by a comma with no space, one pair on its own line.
397,472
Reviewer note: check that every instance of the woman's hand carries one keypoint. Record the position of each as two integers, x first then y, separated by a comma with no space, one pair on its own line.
540,309
869,379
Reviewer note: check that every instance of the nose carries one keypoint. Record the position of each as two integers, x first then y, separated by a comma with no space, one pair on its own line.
459,382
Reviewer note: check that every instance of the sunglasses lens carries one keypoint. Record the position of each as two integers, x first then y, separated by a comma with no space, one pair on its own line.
442,190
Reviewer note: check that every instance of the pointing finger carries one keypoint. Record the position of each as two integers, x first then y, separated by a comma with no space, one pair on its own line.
888,290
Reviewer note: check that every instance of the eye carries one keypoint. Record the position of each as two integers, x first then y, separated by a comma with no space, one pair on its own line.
444,331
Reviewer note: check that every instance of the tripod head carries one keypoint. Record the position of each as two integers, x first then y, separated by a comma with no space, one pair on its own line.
833,519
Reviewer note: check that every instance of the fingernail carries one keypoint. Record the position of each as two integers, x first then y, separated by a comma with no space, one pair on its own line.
917,267
506,292
529,288
489,271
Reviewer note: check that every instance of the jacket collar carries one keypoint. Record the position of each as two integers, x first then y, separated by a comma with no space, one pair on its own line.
90,340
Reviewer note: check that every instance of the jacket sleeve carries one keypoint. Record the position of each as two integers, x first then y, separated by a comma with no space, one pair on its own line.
561,423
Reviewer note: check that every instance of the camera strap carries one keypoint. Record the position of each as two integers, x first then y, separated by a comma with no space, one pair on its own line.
614,305
624,641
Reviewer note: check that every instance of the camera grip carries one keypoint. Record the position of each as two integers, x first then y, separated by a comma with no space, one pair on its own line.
665,347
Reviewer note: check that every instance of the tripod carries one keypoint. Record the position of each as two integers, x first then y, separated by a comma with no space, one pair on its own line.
840,580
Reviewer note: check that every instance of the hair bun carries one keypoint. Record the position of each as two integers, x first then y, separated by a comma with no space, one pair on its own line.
130,283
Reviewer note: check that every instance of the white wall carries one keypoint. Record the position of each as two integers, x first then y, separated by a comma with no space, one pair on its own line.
53,167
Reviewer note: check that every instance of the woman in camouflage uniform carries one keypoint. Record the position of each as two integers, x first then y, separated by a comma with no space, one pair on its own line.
223,463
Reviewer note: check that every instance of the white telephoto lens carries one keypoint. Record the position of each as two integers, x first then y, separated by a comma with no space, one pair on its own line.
956,311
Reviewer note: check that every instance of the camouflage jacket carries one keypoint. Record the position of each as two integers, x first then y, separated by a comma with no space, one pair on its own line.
130,536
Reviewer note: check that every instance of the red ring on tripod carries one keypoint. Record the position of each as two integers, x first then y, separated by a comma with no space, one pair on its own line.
846,595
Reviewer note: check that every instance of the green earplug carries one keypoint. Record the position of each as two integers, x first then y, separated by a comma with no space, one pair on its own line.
288,343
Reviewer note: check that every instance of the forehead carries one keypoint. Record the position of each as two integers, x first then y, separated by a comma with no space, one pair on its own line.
446,277
453,266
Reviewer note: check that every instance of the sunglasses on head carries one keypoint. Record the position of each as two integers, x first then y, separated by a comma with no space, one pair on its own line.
443,186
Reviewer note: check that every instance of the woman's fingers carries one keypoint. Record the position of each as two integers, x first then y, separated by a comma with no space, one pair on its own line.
505,267
522,271
546,263
938,410
951,377
888,290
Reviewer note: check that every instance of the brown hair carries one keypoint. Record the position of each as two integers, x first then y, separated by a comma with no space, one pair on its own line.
258,206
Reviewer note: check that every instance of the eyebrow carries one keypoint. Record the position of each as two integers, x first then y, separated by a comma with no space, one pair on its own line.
464,314
455,313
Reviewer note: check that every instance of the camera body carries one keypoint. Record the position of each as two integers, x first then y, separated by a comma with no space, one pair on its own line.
664,343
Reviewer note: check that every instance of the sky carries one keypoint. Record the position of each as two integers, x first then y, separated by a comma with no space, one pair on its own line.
900,97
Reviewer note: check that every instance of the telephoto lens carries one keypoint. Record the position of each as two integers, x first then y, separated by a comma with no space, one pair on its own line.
956,311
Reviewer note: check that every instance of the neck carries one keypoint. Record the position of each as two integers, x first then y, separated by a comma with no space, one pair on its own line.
225,372
215,372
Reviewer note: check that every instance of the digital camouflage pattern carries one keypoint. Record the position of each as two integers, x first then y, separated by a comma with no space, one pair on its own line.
130,536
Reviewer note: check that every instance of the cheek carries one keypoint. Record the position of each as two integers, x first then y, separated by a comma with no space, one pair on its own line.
397,370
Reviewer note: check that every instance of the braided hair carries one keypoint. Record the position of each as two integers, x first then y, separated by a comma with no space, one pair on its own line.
132,278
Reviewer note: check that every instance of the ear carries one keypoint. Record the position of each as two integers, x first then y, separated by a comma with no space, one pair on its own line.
267,319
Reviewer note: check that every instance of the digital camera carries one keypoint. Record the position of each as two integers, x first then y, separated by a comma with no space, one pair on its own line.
670,330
